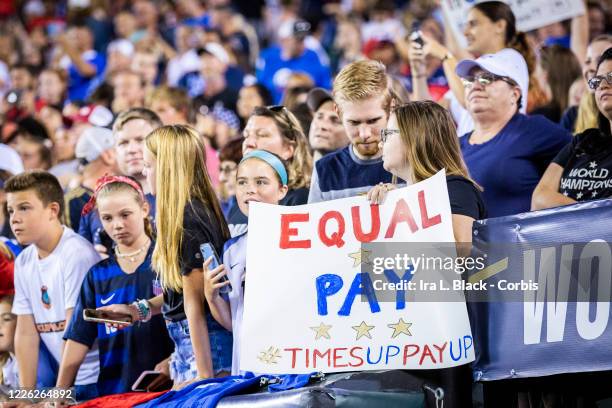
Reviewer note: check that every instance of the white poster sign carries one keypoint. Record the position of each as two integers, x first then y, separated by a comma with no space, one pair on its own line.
308,307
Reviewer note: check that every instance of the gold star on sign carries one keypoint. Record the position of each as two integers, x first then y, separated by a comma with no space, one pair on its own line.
322,330
361,256
270,356
363,330
400,327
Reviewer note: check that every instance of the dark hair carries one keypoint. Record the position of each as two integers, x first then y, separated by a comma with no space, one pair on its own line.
103,95
45,185
263,92
562,68
497,10
232,151
607,55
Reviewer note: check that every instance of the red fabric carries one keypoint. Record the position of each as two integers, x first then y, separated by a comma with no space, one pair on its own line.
127,400
6,276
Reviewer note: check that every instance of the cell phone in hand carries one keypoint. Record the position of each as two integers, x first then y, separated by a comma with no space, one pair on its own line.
207,251
104,316
150,381
417,38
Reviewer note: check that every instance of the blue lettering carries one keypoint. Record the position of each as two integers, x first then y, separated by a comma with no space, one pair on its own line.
379,356
397,350
327,285
451,350
362,285
466,347
400,296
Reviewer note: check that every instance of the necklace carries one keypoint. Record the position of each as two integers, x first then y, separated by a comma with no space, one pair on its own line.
132,256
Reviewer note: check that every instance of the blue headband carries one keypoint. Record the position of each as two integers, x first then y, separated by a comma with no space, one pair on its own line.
272,160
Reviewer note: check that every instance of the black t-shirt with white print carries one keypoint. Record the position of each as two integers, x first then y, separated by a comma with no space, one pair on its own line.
587,166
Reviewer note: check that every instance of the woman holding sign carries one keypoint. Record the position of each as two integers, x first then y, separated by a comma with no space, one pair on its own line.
262,177
419,141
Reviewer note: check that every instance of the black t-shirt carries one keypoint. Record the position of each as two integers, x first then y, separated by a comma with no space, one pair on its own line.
465,198
587,166
295,197
199,227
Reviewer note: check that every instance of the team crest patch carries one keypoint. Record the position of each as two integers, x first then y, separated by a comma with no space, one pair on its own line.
44,297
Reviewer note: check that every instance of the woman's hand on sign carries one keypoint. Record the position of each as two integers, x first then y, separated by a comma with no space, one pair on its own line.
213,279
378,193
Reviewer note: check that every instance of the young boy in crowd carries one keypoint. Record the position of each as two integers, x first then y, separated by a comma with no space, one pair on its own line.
48,276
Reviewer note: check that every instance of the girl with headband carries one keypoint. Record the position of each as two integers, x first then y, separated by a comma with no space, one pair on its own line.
124,277
261,177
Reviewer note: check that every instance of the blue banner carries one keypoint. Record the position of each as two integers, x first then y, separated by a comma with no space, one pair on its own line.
563,326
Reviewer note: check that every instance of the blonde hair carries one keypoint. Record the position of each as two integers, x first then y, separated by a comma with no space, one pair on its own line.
300,165
6,252
120,187
587,113
136,113
430,140
362,80
181,178
176,97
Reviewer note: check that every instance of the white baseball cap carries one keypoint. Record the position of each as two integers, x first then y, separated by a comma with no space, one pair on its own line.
507,63
122,46
216,50
93,142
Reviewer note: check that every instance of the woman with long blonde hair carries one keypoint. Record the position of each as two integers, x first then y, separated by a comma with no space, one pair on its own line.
188,216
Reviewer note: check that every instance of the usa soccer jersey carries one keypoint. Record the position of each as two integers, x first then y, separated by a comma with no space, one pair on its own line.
124,354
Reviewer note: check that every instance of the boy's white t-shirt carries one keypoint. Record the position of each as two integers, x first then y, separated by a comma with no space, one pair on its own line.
45,288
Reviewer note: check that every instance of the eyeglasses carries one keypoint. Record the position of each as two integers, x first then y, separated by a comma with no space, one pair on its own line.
485,78
597,80
385,133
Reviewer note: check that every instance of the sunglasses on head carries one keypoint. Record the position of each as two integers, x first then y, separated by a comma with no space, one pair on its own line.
484,79
283,111
597,80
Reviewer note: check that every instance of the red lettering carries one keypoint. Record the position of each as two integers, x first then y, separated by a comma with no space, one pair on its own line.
359,234
351,352
426,221
406,355
440,351
401,214
294,355
337,357
427,352
318,354
336,237
307,357
287,232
